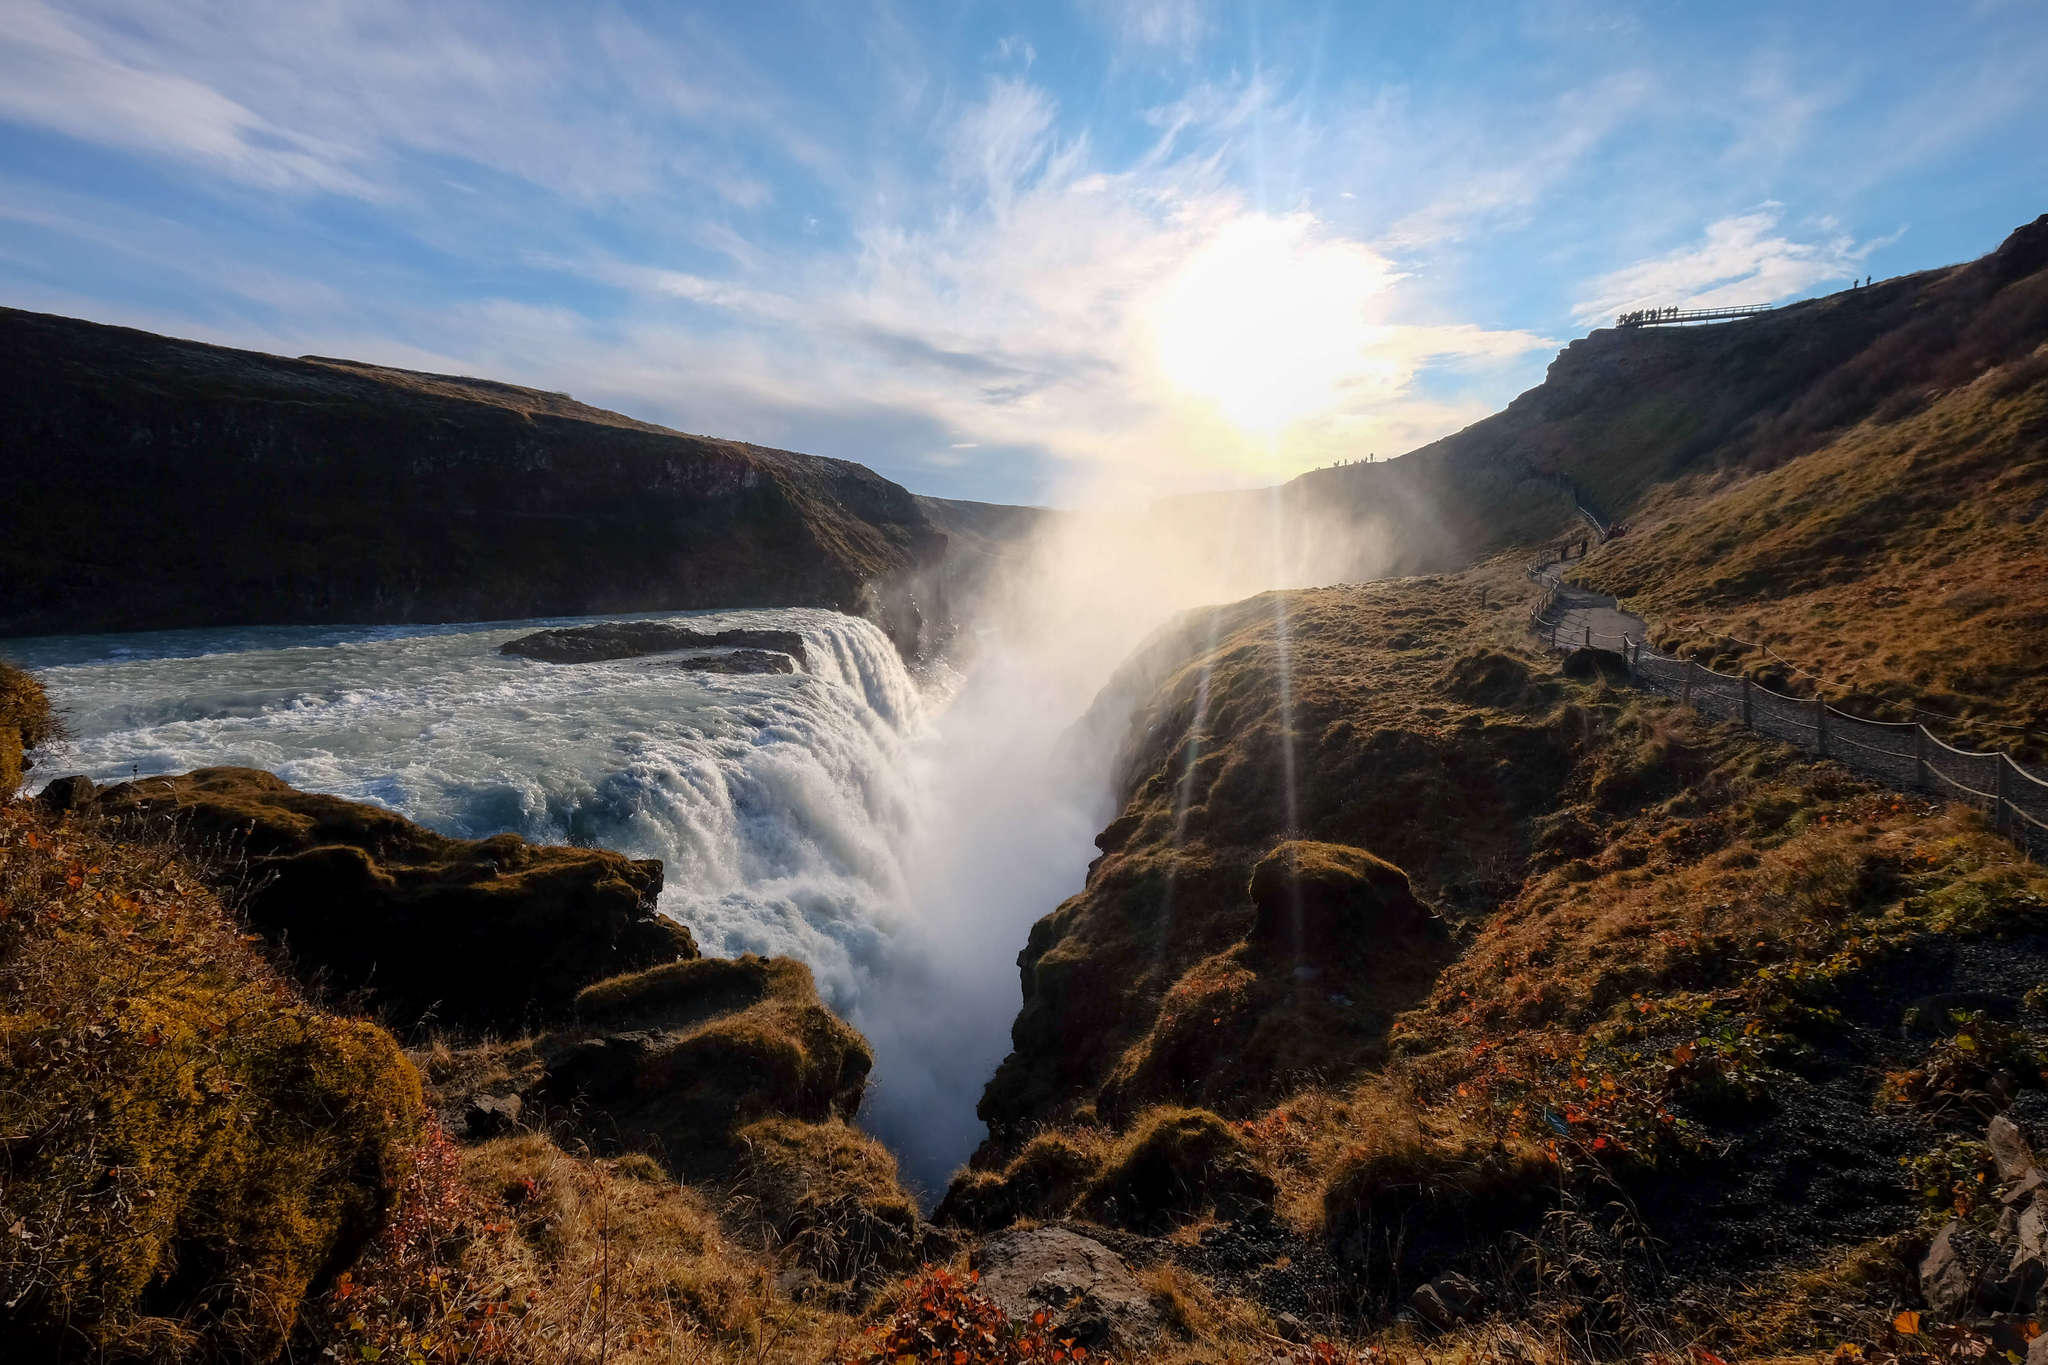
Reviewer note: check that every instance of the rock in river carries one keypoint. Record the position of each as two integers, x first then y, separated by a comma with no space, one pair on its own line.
634,639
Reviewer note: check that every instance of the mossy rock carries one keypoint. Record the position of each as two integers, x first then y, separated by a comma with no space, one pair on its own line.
1488,677
1412,1205
25,721
477,934
676,1059
1044,1180
1592,664
209,1148
1177,1164
1313,898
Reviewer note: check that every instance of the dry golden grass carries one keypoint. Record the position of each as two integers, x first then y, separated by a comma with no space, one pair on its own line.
1901,561
25,721
515,1250
188,1144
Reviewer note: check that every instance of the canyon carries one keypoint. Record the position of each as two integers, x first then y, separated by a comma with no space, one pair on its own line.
1416,993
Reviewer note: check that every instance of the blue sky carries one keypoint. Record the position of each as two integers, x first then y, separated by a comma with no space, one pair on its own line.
1004,251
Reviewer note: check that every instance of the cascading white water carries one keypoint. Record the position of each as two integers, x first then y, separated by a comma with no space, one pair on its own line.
779,803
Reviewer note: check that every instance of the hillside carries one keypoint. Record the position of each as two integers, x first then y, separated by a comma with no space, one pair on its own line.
1627,416
1901,562
153,483
1407,956
1437,981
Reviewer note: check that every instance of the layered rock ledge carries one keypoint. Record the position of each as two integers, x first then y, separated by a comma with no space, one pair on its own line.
474,933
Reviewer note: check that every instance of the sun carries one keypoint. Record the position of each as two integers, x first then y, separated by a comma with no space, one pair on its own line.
1270,321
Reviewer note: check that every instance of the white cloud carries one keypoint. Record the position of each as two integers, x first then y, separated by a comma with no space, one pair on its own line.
1180,24
55,75
1743,259
1147,325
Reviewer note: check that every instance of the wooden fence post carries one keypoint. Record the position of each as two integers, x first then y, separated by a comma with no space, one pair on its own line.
1692,666
1820,723
1920,754
2002,821
1589,635
1746,713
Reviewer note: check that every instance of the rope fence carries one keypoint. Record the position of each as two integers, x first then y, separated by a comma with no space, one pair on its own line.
1902,754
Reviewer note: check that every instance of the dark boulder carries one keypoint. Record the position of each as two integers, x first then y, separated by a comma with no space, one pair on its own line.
636,639
1178,1165
740,661
1315,898
479,934
489,1116
1588,664
67,793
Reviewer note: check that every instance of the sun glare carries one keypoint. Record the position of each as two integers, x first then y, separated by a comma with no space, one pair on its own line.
1270,322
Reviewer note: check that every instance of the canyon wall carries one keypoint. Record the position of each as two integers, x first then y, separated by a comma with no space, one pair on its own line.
154,483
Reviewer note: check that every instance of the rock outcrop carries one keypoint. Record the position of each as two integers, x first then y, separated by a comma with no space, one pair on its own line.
1971,1272
484,933
674,1060
1076,1278
635,639
152,482
1314,901
738,663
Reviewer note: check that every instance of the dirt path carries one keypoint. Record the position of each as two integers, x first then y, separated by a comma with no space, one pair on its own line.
1578,612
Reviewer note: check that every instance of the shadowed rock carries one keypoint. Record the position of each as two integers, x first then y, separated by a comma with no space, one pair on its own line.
483,933
633,639
738,662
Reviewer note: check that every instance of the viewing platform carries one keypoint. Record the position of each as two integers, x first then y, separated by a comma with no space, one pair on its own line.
1668,317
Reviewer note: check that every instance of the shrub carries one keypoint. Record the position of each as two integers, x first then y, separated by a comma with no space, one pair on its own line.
25,721
945,1320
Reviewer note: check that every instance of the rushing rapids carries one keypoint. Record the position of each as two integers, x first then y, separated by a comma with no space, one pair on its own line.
779,802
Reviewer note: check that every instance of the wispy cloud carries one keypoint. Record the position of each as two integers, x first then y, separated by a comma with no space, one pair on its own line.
1743,259
54,75
1174,24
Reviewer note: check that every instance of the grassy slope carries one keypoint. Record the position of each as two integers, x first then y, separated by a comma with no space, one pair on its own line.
1903,560
1684,960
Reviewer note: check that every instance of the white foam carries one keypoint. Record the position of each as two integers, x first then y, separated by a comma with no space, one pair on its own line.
779,803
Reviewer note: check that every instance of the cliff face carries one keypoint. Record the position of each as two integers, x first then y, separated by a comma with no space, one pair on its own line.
151,482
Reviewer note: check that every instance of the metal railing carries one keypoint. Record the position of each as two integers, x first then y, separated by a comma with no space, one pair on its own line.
1661,317
1902,754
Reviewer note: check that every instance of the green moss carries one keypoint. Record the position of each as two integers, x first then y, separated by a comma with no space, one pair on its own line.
209,1145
